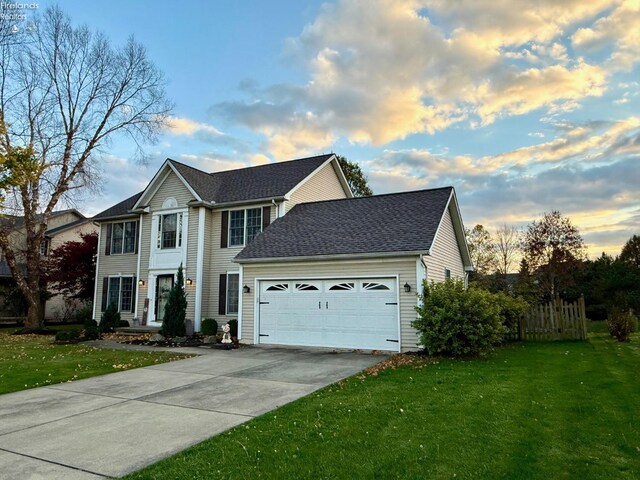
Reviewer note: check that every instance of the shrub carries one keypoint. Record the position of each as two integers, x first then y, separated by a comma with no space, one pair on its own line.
123,323
209,327
90,323
67,335
84,313
91,332
175,310
458,322
511,310
110,319
233,324
621,324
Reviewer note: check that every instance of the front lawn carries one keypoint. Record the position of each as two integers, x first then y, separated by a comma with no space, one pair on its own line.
531,411
28,361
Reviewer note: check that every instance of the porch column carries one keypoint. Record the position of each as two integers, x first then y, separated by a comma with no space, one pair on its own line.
199,269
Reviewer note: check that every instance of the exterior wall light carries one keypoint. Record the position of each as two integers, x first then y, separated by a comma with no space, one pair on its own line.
407,287
246,289
189,282
141,283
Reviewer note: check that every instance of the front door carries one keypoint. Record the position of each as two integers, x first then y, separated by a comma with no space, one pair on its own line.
164,284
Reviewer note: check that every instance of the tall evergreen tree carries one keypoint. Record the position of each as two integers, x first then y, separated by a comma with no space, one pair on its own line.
175,310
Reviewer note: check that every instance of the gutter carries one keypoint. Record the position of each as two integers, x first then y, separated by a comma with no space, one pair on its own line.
320,258
214,205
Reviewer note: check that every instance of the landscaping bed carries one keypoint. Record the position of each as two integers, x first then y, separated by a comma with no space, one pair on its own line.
532,410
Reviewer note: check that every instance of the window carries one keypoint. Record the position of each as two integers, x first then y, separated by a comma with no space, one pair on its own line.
374,286
447,274
306,286
244,226
233,292
236,228
123,237
170,231
44,247
121,293
279,287
342,286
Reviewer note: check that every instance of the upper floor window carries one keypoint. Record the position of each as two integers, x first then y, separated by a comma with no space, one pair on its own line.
244,225
170,231
123,237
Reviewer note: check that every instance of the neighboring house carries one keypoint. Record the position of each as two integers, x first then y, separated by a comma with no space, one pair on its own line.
285,249
63,226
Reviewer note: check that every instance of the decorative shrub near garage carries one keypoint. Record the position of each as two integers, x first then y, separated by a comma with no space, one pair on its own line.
458,322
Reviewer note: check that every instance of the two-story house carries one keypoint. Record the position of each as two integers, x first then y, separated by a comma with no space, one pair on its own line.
284,248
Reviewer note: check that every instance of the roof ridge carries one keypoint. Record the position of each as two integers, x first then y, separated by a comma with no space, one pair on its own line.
392,194
252,166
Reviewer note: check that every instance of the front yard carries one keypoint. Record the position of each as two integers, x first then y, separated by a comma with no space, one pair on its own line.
530,411
28,361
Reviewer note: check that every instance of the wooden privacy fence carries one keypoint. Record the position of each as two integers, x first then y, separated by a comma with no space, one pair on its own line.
555,320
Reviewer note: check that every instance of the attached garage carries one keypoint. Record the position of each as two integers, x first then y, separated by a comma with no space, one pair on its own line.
339,312
347,273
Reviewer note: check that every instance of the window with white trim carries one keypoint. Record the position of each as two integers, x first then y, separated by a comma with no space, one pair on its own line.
447,274
244,226
120,293
233,292
123,237
170,231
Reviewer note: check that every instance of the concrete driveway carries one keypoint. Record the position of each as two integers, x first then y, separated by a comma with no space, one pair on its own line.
114,424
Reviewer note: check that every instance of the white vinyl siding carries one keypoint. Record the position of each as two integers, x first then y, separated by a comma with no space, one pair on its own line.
324,185
445,254
219,261
404,267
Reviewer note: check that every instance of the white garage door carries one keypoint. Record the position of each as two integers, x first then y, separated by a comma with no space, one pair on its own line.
342,313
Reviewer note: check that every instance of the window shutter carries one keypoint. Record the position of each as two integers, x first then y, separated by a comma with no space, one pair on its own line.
224,231
133,294
266,217
105,293
222,295
137,227
107,247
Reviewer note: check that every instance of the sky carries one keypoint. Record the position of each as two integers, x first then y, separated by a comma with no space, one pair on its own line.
523,107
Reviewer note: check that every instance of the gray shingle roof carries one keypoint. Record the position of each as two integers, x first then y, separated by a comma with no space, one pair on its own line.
119,209
264,181
66,226
252,183
399,222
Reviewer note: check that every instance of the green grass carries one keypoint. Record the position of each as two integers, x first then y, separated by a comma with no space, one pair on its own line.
531,411
28,361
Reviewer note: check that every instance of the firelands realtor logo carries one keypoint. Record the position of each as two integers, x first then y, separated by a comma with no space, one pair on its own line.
15,12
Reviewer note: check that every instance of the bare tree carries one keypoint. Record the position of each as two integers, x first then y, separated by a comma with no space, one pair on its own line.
65,92
508,243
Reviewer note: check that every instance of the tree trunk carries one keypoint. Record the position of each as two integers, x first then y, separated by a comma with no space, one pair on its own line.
34,320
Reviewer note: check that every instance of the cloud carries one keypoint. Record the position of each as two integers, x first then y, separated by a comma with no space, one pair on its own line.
378,71
588,171
619,31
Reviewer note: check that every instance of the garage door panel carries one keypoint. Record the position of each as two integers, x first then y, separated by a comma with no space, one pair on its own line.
341,313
